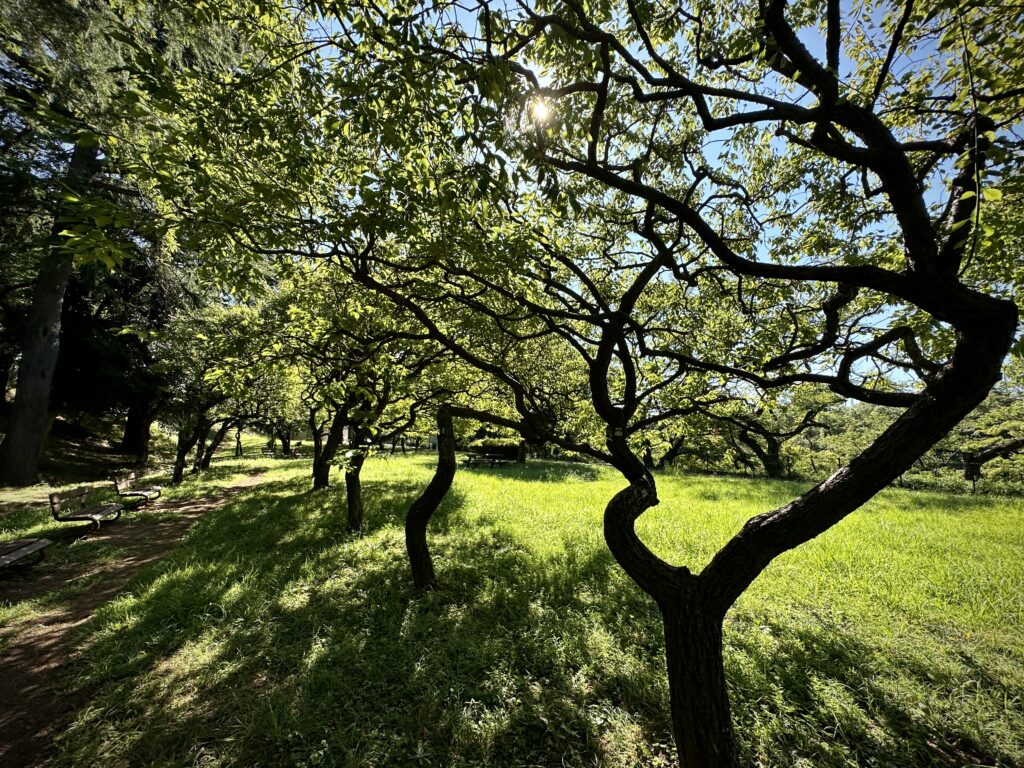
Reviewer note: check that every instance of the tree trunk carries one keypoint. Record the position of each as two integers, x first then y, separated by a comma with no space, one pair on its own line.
135,440
421,510
354,491
204,434
285,436
187,438
238,442
30,417
211,449
648,456
701,721
521,452
324,451
6,364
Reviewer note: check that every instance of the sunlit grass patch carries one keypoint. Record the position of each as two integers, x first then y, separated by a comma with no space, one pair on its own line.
272,636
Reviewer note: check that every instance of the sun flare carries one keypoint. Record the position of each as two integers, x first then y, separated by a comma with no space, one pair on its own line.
540,110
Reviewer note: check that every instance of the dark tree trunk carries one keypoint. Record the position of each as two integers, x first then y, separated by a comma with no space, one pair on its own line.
696,680
211,449
204,434
419,514
137,426
693,629
324,451
416,443
285,436
188,436
238,442
30,418
975,460
354,491
401,444
521,452
6,364
648,456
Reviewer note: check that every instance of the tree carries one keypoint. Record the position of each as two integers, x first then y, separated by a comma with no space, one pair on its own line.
759,175
72,76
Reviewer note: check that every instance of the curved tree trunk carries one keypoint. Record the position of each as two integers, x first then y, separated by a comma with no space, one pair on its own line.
418,517
215,443
30,416
238,442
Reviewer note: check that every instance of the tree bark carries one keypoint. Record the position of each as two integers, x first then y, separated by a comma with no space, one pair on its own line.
324,451
188,436
6,364
211,449
206,426
354,491
418,517
285,436
137,426
238,442
696,680
30,417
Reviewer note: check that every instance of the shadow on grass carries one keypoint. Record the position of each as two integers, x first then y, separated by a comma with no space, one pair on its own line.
273,636
540,470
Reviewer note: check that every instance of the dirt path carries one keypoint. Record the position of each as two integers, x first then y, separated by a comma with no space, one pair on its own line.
36,652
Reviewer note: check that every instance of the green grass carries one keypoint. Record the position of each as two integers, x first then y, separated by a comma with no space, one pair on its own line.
271,637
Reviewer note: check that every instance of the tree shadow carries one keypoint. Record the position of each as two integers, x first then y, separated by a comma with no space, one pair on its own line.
541,471
274,636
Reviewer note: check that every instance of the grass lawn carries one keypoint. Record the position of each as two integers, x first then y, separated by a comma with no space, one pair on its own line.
271,637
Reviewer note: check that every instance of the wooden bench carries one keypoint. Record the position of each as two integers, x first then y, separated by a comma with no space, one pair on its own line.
12,552
125,485
71,506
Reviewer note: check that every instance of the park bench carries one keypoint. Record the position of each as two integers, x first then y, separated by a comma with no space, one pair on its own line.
12,552
73,505
125,485
268,453
490,459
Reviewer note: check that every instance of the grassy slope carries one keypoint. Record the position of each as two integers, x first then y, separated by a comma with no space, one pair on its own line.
270,637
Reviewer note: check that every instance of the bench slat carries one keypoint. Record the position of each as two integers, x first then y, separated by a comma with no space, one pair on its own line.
13,551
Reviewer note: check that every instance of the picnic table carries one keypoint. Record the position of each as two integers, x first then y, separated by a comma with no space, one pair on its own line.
489,459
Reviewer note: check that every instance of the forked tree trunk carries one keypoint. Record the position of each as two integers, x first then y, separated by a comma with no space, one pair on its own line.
418,517
238,442
30,417
204,435
187,438
354,491
325,451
